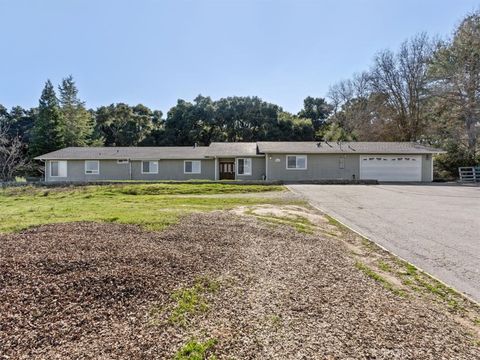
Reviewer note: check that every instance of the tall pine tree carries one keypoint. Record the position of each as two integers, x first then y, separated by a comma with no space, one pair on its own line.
77,121
48,127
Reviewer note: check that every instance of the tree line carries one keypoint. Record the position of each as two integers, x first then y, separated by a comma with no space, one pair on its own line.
428,91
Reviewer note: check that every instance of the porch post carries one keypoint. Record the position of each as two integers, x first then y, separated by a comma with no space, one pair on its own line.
216,168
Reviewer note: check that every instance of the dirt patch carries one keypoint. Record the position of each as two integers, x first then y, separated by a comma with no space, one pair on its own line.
87,290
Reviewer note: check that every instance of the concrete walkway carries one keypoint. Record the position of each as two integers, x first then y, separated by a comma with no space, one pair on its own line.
435,227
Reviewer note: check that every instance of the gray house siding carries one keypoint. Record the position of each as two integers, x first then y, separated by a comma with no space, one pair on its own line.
174,170
324,162
327,167
258,169
111,170
319,167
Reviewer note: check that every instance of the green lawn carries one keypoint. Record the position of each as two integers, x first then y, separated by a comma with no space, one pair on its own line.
153,206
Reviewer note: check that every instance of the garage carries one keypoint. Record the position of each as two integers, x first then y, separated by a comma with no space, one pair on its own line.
391,167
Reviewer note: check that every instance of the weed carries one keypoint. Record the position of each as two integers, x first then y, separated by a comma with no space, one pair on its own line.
384,266
189,301
380,279
194,350
299,223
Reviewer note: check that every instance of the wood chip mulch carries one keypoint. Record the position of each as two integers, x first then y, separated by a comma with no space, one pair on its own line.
88,291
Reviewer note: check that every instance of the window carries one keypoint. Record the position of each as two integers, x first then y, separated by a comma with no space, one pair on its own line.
192,167
58,168
296,162
244,166
122,161
341,163
92,167
149,167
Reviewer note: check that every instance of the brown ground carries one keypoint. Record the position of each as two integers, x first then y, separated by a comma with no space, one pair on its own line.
105,291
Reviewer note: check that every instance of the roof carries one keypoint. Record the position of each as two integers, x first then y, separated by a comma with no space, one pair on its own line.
135,153
309,147
238,149
232,149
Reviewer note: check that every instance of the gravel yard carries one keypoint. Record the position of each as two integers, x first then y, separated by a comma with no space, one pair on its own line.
228,285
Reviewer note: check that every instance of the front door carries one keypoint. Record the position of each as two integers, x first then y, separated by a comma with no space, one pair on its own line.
227,170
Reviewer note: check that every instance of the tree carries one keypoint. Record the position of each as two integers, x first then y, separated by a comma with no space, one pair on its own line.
12,157
123,125
77,121
334,132
317,110
48,129
455,75
391,101
402,80
359,111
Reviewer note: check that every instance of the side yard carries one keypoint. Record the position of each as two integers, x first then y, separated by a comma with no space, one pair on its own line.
233,274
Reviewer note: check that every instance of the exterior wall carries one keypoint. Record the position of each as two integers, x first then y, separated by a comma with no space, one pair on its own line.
110,170
319,167
326,167
174,170
258,169
427,173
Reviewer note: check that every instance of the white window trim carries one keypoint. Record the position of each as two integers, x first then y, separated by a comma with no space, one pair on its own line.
192,172
150,172
123,161
251,165
50,168
295,168
92,173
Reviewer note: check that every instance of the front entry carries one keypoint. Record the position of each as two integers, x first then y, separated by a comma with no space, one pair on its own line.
227,170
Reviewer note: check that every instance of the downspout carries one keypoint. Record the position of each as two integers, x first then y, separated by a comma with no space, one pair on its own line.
266,167
130,169
216,168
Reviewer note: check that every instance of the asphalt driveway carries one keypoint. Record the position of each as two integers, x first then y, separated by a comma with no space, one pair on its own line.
435,227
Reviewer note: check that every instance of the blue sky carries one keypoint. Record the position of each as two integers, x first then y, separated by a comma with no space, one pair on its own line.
154,52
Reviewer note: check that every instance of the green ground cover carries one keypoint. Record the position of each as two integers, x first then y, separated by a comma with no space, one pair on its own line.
154,206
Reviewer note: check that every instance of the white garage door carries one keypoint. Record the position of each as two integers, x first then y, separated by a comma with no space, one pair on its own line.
391,167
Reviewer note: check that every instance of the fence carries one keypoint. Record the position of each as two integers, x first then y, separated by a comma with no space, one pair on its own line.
469,174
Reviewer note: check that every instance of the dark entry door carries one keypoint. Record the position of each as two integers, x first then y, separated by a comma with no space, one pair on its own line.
227,170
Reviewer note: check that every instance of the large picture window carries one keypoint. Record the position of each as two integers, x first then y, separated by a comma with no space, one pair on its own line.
296,162
149,167
58,168
244,166
92,167
192,167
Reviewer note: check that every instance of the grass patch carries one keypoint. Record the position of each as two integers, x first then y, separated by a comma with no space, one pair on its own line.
148,189
336,223
194,350
153,206
378,278
382,265
189,301
299,223
419,281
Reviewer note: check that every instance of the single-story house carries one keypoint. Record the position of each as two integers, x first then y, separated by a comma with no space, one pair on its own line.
263,160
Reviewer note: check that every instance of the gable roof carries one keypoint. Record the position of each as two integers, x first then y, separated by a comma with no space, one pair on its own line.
134,153
311,147
238,149
232,149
